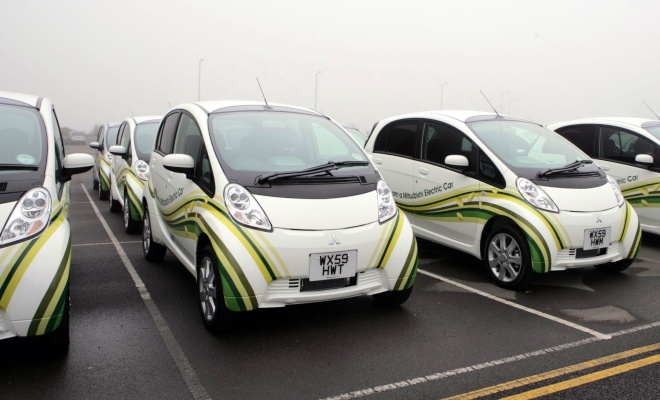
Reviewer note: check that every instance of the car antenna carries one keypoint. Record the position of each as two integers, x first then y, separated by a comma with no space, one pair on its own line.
262,93
656,115
491,106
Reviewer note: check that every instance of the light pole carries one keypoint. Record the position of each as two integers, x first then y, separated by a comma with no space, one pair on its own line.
502,108
316,88
442,87
199,81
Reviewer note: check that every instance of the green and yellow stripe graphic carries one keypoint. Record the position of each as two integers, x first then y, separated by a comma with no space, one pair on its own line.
643,194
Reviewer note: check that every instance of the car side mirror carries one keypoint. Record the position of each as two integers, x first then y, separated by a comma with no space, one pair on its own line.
75,163
95,145
118,150
644,159
180,164
457,161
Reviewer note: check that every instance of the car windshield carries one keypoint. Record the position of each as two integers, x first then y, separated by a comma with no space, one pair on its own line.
22,137
527,148
145,136
112,135
654,130
262,142
359,137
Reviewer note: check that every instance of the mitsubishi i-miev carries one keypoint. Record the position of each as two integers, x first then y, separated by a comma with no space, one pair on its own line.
35,241
272,205
507,191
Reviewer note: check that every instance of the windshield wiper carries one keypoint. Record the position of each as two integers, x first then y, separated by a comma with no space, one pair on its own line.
566,168
329,166
18,167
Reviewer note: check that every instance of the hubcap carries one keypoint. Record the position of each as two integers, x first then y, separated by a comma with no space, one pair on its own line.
504,257
127,211
207,289
146,232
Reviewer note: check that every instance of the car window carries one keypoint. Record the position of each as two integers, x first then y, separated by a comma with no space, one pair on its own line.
620,145
20,135
440,140
166,133
145,135
330,147
398,138
188,138
112,135
583,136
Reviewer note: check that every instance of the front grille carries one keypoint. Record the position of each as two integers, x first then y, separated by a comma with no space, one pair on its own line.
3,186
311,286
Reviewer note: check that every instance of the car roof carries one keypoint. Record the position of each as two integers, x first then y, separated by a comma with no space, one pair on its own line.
145,118
459,115
636,122
27,99
213,106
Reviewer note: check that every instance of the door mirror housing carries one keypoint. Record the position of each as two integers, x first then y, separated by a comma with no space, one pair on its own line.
118,150
457,161
95,145
75,163
644,159
180,163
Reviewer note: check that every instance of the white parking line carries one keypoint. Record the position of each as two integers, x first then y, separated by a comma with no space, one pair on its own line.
105,243
598,335
476,367
187,372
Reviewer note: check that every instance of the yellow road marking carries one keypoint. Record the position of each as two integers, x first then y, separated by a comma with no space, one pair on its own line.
557,372
606,373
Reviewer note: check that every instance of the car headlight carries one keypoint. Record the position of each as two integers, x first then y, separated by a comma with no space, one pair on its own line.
244,209
535,196
142,169
30,216
386,206
617,192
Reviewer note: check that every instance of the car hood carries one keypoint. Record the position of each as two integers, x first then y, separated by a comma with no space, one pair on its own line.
583,200
320,214
5,211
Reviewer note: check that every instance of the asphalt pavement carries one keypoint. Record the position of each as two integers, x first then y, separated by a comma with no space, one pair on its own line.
136,332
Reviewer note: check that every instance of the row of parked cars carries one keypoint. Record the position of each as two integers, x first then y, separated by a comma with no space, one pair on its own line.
270,205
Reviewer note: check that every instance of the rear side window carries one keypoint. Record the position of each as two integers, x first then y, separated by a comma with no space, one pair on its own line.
398,138
165,139
584,137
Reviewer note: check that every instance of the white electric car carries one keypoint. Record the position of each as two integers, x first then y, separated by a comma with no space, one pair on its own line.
272,205
106,137
130,168
508,191
35,241
628,149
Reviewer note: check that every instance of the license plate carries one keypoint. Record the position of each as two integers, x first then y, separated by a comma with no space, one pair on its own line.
323,266
596,238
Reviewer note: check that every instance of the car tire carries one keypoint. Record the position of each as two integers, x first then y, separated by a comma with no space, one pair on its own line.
114,204
95,185
57,342
507,257
103,194
615,267
394,298
213,310
130,225
152,251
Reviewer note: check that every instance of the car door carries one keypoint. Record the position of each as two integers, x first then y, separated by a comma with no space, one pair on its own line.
119,164
617,151
446,194
187,140
393,153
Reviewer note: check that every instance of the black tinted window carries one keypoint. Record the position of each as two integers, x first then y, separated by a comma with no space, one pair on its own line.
440,141
399,137
620,145
165,139
584,137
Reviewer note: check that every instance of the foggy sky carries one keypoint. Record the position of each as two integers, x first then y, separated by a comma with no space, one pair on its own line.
549,61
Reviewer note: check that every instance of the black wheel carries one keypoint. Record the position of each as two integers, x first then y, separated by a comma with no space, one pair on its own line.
507,257
103,194
215,314
95,185
616,266
394,298
57,342
114,204
152,251
130,225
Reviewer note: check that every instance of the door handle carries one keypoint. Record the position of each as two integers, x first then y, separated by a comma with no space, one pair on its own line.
605,167
378,161
423,171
